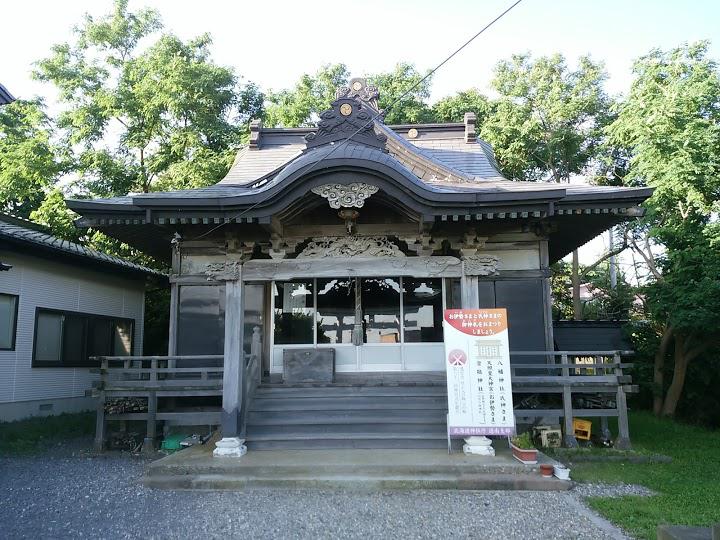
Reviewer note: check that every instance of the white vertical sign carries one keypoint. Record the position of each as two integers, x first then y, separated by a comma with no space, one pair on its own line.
477,360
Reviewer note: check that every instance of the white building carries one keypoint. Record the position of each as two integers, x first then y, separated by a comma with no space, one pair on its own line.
60,303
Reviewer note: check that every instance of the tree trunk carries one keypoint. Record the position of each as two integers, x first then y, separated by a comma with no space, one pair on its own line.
676,386
658,367
577,304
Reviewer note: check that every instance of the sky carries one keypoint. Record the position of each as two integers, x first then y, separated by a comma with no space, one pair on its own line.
273,42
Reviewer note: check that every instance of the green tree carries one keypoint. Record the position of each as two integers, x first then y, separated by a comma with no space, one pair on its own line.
398,107
548,119
453,108
547,123
670,123
139,103
30,162
311,95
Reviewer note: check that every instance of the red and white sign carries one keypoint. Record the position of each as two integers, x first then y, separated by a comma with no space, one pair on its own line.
478,372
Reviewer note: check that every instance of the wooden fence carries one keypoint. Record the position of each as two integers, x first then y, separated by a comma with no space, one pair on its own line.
153,377
578,372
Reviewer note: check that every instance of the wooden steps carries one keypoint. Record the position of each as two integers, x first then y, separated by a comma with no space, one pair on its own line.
330,417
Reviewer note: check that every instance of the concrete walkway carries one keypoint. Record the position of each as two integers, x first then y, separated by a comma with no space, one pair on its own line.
196,468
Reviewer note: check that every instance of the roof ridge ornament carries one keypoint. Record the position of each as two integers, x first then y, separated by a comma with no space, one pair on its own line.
359,88
347,119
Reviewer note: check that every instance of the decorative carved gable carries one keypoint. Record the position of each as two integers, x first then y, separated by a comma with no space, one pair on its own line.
352,195
347,119
359,88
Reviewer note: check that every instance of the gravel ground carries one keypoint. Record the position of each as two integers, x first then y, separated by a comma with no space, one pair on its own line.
66,493
612,490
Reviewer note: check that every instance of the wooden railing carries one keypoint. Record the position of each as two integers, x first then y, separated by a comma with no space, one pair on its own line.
153,377
598,372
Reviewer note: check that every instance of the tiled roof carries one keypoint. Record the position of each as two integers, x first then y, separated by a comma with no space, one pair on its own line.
448,150
252,165
5,96
26,232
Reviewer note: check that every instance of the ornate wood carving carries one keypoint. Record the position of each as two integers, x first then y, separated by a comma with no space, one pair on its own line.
481,265
347,118
268,269
345,247
224,271
359,88
255,131
346,196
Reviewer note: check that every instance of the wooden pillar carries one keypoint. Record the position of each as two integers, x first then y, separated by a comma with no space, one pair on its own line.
148,446
100,423
233,369
470,292
174,301
100,420
623,440
547,300
172,328
569,439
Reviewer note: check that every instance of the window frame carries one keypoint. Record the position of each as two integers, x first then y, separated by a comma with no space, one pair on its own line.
76,364
13,337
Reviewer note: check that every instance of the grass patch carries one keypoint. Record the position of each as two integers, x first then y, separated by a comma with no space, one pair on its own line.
688,488
36,434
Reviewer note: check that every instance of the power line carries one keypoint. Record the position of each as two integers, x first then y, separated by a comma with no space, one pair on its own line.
378,115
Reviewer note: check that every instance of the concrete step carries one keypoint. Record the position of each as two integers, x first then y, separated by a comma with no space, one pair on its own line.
355,442
350,391
346,431
381,469
359,482
334,403
374,416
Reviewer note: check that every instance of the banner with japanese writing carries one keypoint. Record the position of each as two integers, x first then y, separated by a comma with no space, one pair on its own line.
477,360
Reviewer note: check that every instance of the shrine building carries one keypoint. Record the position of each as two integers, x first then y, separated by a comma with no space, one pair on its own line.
329,253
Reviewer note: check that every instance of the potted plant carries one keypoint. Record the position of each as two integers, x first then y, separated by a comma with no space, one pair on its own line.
562,472
523,449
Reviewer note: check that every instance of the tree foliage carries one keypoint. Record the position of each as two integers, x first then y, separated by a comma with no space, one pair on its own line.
30,162
670,122
547,122
453,108
311,95
138,104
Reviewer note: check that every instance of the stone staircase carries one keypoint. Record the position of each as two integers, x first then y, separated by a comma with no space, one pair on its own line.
347,416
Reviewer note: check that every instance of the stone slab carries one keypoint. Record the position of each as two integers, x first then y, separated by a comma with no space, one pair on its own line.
308,365
195,468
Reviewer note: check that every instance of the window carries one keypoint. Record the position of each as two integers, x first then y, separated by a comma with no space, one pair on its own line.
422,310
381,309
8,321
294,312
335,310
68,339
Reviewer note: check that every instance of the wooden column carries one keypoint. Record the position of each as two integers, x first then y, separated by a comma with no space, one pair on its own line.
569,439
100,419
174,301
469,291
623,440
233,368
148,446
231,443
